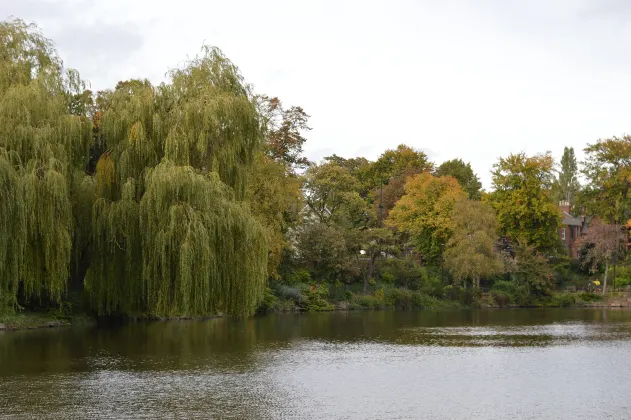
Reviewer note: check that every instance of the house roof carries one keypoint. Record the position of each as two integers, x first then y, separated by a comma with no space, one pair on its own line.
570,220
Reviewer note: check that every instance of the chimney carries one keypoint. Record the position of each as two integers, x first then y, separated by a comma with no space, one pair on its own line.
565,206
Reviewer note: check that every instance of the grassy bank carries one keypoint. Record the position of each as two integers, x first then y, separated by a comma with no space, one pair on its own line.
27,320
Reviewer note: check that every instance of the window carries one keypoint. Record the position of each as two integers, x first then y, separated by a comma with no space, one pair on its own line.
563,234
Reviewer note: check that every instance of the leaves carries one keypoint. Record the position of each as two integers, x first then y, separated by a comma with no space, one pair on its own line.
471,253
522,200
425,212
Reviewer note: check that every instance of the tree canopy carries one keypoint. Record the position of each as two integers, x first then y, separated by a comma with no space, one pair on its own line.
522,200
465,176
425,212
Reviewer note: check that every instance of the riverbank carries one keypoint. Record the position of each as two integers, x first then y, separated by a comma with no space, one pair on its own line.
38,320
30,320
400,300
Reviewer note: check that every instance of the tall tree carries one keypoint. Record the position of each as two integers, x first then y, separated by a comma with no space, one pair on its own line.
522,200
275,199
467,179
403,159
284,132
359,168
605,241
425,212
471,251
169,210
44,145
607,168
331,193
566,186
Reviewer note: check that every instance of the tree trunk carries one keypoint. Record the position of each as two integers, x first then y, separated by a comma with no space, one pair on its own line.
605,279
371,269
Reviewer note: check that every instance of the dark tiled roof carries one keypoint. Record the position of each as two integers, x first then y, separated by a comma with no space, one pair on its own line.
570,220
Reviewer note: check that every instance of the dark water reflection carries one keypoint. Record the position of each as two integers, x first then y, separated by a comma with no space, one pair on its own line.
557,364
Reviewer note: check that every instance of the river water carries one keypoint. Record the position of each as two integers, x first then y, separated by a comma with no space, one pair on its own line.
500,364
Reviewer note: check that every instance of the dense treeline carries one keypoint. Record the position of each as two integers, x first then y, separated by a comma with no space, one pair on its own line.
193,197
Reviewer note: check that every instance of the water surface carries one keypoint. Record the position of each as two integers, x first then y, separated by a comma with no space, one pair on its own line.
520,364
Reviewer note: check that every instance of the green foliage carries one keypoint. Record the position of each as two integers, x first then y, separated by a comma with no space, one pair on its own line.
403,272
462,172
471,253
532,274
504,292
566,185
396,162
316,299
331,194
274,196
563,300
322,249
590,297
522,200
607,168
41,142
269,304
425,212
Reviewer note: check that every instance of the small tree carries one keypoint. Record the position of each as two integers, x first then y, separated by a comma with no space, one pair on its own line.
470,252
605,240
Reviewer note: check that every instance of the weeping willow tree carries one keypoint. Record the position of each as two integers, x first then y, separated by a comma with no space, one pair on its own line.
160,226
42,146
171,235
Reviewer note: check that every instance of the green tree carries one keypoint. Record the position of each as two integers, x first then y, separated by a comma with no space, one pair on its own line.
467,179
425,212
566,186
323,250
275,199
331,194
359,168
44,146
403,159
607,168
169,207
522,200
471,253
532,274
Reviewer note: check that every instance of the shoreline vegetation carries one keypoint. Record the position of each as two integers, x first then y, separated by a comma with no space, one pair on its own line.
398,300
193,199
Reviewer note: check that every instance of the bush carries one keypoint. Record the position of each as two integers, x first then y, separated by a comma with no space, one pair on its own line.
289,293
399,299
564,300
366,302
316,299
403,272
590,297
503,293
501,298
269,304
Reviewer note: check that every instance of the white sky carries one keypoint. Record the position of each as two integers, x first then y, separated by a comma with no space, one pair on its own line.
472,79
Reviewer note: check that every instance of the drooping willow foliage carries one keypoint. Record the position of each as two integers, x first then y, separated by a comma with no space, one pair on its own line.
159,217
41,144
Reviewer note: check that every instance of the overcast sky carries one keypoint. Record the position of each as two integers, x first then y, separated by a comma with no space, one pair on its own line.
473,79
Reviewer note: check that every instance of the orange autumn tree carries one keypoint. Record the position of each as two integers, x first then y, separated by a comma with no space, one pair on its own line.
425,212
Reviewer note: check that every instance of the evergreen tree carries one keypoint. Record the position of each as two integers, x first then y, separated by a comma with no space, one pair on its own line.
566,186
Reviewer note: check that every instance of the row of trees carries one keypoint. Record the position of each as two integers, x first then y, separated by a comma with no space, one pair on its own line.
188,197
402,206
